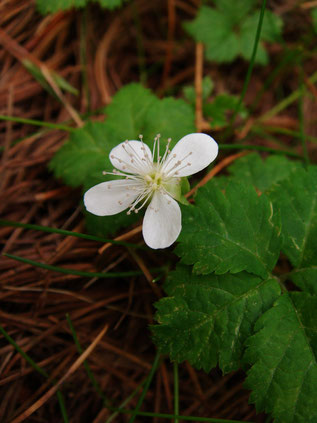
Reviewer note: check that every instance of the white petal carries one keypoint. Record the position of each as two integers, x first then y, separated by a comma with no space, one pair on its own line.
162,221
132,157
194,151
111,197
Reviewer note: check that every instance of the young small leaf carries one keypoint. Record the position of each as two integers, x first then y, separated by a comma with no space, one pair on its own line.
230,232
283,354
206,319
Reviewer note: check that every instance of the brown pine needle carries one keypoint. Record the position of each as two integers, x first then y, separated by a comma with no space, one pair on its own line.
224,163
53,390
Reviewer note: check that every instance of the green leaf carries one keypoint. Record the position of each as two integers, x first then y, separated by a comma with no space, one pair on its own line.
296,197
305,279
235,11
219,108
214,29
206,319
271,31
263,174
172,118
109,4
53,6
230,232
85,154
126,114
207,87
228,32
283,376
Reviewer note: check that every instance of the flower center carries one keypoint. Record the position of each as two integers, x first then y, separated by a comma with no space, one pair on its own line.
149,176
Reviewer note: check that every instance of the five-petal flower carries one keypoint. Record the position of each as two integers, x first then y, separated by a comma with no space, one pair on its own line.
155,183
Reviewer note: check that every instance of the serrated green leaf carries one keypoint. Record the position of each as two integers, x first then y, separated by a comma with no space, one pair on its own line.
206,319
214,29
53,6
296,197
305,279
263,174
230,232
283,352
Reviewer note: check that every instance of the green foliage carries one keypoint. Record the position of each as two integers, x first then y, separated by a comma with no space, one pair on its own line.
296,198
53,6
228,31
227,308
207,88
283,352
305,279
262,174
206,319
231,232
314,18
219,108
133,111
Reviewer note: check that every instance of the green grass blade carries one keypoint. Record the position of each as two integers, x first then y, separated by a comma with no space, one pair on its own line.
279,107
301,117
48,229
146,387
37,123
86,365
180,417
251,64
74,271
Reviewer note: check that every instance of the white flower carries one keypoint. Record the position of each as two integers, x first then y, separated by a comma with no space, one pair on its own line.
156,183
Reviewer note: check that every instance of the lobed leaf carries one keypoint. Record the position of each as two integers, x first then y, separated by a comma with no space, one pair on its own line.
229,30
206,319
230,232
214,29
283,354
